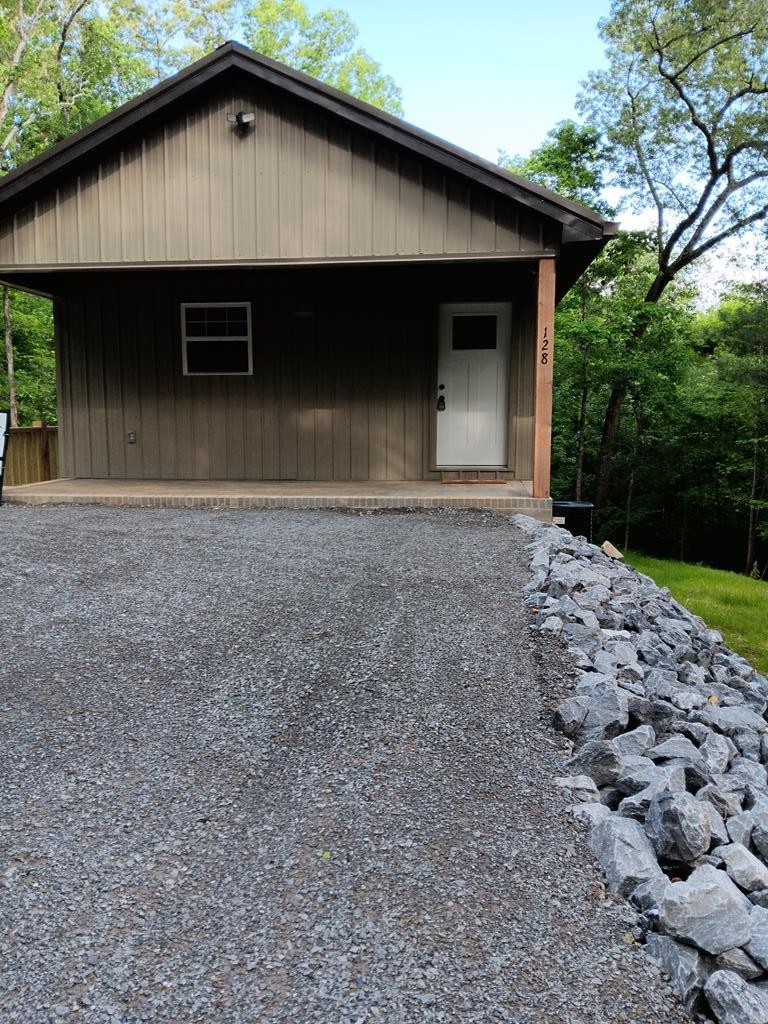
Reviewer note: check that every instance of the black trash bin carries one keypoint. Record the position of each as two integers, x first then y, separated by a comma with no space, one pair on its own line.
577,515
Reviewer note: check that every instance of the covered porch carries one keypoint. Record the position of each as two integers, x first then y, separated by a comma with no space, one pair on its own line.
503,496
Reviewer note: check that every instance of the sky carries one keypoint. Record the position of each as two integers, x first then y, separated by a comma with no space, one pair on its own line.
484,74
497,74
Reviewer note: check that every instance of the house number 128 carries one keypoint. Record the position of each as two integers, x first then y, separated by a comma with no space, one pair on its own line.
545,347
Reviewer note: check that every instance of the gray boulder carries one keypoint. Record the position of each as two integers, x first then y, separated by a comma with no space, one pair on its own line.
552,624
677,747
744,868
647,896
587,682
740,828
749,743
678,826
736,960
757,947
717,827
599,759
642,776
569,716
637,805
625,854
734,1001
730,720
635,742
760,830
605,663
707,910
607,713
579,789
693,675
697,732
687,700
725,800
590,814
749,771
685,966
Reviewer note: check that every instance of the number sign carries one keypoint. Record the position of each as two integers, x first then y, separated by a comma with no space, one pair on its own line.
544,352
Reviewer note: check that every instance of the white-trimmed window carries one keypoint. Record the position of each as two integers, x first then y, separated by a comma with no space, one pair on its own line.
216,338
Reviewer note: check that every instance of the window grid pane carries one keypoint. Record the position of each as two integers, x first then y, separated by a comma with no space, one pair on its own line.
217,339
216,321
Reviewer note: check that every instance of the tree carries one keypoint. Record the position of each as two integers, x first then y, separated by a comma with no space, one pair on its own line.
171,34
683,107
10,371
323,45
736,335
65,63
569,161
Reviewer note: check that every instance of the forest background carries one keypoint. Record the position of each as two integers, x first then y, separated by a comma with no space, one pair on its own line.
661,380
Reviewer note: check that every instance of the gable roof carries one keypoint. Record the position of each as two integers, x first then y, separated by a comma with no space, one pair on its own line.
584,231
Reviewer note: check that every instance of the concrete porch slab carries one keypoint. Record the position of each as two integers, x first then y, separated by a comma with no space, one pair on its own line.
514,496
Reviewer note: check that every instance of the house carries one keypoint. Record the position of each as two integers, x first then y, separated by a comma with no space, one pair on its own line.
257,277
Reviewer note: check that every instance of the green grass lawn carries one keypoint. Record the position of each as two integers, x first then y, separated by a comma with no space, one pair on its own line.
734,605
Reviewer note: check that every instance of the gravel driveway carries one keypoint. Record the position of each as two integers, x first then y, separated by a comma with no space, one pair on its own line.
289,766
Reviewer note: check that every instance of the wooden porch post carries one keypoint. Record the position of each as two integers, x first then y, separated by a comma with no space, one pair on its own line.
545,351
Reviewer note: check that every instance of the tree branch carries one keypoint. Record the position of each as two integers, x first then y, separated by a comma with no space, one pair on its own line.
645,170
67,24
730,190
674,80
690,255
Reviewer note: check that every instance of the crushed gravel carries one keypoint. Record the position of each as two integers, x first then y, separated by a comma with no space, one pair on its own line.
290,766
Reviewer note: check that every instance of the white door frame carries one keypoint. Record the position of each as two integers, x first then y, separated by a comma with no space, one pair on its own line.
492,366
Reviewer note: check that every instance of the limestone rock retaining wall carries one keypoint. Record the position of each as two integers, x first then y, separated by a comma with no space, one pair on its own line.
670,747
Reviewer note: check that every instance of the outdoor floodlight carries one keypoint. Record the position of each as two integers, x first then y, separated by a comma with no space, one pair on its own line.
242,120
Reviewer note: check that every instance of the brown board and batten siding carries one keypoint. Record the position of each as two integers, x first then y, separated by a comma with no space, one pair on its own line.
300,186
342,226
343,384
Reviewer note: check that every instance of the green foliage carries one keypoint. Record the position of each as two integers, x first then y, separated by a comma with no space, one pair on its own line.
65,63
701,474
169,35
690,451
35,359
683,109
732,604
322,45
569,161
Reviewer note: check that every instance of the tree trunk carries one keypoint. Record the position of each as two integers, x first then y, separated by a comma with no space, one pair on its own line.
608,439
619,393
631,481
8,333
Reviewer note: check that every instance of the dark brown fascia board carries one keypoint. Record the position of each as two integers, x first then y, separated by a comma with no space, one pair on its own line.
585,222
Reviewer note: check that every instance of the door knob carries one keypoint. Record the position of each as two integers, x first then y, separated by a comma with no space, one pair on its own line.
441,403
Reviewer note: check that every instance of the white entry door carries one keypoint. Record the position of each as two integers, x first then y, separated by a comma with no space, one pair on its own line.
473,384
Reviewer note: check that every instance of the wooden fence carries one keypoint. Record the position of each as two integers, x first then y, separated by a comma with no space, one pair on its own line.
33,455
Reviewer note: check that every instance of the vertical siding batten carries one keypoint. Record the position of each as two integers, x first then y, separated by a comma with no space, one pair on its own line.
314,187
153,212
386,195
337,194
95,390
113,391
